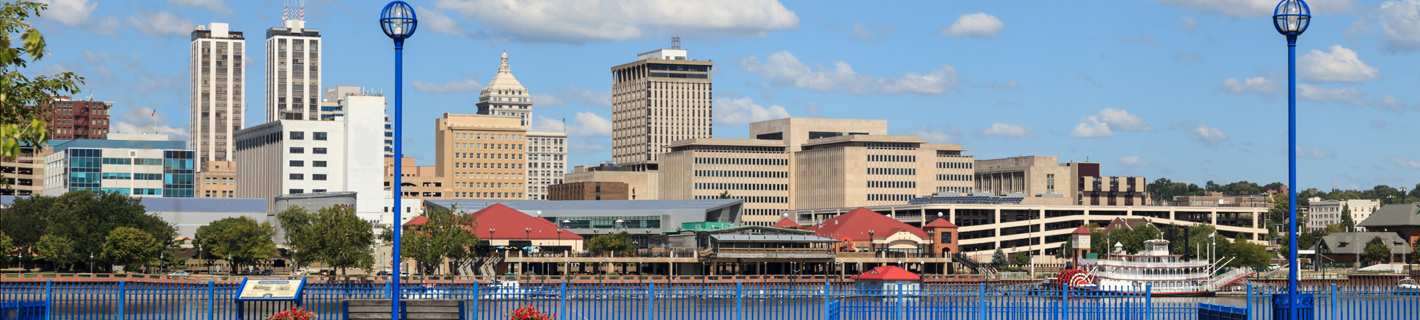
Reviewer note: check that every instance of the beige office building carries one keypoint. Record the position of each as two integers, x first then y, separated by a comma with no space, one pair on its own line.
641,185
1044,180
482,156
801,163
218,179
24,175
293,69
662,97
546,151
417,182
218,92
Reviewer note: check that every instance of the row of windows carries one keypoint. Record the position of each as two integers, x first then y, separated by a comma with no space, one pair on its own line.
742,186
953,177
490,185
223,180
476,175
481,165
302,163
893,171
488,136
302,176
892,184
490,146
495,195
300,135
743,161
954,165
499,156
741,174
890,197
302,150
131,176
759,212
891,158
954,189
890,145
750,199
300,191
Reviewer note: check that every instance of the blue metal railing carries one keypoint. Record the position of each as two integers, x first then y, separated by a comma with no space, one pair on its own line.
709,301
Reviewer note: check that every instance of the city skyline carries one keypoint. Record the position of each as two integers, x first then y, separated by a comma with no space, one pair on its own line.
1187,90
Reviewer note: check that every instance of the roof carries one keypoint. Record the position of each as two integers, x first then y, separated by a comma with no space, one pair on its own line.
888,273
856,224
1082,230
120,144
513,224
769,238
1394,215
504,79
1355,242
1118,222
786,223
940,223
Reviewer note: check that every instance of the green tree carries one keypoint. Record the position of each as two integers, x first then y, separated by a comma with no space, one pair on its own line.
725,194
1021,258
1067,250
243,239
344,240
7,246
131,247
445,234
1415,252
1376,251
295,224
1347,223
998,258
1244,253
26,219
22,98
616,242
57,250
85,217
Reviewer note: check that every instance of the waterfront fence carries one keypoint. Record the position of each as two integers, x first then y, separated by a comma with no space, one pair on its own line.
709,301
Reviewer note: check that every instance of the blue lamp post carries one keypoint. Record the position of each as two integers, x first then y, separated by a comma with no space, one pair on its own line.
1291,19
398,22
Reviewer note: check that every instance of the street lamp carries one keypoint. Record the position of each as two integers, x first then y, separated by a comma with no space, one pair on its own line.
1291,19
91,262
398,22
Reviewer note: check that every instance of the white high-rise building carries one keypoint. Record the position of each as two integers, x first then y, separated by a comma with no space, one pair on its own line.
660,98
218,94
546,150
312,156
293,70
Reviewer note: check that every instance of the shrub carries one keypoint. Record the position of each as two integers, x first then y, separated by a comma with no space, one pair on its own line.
295,313
530,313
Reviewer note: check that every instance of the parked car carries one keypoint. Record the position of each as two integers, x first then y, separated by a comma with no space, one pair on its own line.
299,272
384,273
268,272
180,274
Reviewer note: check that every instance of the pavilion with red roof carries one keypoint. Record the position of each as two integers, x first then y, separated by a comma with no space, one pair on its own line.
788,224
887,279
863,228
499,226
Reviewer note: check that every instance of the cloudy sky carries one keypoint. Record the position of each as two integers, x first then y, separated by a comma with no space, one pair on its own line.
1192,90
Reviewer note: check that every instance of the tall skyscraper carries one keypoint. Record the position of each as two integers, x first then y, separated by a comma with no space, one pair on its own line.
218,95
293,70
662,97
546,151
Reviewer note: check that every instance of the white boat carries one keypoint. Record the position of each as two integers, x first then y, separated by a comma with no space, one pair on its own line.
1407,285
1152,269
502,290
424,293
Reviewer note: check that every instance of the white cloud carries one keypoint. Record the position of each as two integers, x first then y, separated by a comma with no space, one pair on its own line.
541,123
1403,162
1340,65
782,68
587,124
1008,130
565,95
218,6
1256,84
1184,55
160,24
141,120
467,84
1352,96
736,112
977,25
73,13
870,33
579,146
811,109
575,21
1314,153
1187,24
1401,22
947,134
1009,85
1259,8
1208,135
1109,119
1134,161
438,21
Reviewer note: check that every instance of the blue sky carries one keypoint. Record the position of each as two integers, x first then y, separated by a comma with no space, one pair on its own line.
1191,90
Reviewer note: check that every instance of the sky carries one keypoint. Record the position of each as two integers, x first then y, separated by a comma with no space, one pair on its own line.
1190,90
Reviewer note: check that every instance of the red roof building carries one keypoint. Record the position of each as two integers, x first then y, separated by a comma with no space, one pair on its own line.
889,273
502,226
786,223
868,229
943,235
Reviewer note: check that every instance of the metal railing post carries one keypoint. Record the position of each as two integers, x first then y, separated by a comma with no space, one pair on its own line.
981,302
1248,297
211,299
1149,302
901,304
48,298
651,300
476,297
1334,308
121,285
739,300
1064,301
825,300
564,301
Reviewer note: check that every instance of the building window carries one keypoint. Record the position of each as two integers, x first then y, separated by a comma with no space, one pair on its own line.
298,150
298,163
317,190
319,136
318,164
298,176
318,177
296,191
298,135
318,150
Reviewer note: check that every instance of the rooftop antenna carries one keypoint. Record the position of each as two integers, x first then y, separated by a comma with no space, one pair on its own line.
303,10
286,10
675,42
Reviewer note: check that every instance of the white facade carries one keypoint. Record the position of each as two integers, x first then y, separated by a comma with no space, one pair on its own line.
547,162
505,96
305,156
218,94
1328,212
293,72
141,168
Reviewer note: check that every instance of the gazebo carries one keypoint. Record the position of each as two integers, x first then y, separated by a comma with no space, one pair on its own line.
885,280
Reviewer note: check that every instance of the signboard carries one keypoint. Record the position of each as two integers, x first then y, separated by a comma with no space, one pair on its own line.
271,290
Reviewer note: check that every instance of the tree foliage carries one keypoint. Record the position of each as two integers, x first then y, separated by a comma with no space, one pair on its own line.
615,242
22,117
445,234
334,235
725,194
998,258
243,239
57,250
1244,253
1376,251
131,246
1021,258
1347,222
7,246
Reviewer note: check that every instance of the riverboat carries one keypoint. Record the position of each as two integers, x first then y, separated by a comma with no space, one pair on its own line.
1151,270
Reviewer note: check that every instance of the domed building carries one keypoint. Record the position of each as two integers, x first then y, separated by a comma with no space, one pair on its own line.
546,150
